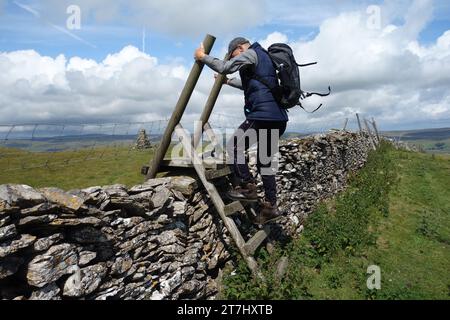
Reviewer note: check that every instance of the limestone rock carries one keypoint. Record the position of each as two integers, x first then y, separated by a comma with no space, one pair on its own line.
110,293
87,234
121,265
45,243
8,232
4,221
179,208
173,249
167,237
62,198
186,185
128,222
85,257
84,281
20,195
150,185
49,292
35,220
190,288
156,295
76,222
170,284
40,209
116,190
13,246
134,243
55,262
161,196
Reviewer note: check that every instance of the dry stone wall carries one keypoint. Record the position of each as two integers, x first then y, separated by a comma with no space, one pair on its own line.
158,240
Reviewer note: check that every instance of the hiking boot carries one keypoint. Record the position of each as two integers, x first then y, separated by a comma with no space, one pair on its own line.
245,192
268,213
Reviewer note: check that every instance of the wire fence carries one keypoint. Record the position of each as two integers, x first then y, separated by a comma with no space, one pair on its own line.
56,145
28,146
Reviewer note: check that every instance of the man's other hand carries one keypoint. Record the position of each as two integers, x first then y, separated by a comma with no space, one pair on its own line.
225,79
200,52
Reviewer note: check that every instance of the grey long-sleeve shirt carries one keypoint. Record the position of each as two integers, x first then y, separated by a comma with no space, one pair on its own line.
249,57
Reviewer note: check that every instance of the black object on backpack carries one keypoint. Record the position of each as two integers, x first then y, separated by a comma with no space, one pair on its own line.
288,93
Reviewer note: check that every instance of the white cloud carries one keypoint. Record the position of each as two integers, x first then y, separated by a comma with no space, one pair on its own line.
275,37
383,73
175,17
125,85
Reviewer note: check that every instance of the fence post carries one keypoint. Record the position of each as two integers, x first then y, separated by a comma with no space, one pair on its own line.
183,100
372,141
345,125
359,123
374,124
198,130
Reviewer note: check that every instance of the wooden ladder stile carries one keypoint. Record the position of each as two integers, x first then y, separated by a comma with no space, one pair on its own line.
207,169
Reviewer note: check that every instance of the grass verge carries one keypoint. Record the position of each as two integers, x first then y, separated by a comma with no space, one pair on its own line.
394,214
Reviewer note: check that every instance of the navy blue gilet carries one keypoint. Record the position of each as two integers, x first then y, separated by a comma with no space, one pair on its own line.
259,101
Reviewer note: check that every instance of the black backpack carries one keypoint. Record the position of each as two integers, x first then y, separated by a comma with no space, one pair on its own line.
288,93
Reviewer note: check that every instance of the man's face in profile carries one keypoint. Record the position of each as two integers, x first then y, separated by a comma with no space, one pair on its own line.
241,48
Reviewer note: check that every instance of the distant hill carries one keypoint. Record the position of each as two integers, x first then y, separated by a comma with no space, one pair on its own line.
71,142
422,134
431,140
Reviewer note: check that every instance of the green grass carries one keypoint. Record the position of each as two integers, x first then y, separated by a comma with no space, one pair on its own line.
74,169
395,214
432,146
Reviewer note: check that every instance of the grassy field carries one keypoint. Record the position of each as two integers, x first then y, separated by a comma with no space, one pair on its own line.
77,169
430,140
432,146
395,214
74,169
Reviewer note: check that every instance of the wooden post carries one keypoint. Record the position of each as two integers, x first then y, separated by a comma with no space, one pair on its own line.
218,84
372,141
183,100
359,123
216,199
216,141
345,125
374,124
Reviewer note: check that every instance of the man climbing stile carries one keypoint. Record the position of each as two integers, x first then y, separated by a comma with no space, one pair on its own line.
265,121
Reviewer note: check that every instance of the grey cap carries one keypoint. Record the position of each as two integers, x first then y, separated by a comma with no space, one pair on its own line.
236,42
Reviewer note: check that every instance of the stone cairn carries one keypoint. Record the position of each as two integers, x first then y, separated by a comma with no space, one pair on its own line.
142,142
158,240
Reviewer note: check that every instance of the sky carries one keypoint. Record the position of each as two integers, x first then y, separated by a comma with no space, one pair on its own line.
128,60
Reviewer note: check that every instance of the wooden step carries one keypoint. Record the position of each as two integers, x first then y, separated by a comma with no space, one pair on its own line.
253,244
232,208
208,163
224,210
217,173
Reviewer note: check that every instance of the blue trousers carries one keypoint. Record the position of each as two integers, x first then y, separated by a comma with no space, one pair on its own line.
265,134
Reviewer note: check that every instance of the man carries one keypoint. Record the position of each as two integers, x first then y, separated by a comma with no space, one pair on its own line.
264,117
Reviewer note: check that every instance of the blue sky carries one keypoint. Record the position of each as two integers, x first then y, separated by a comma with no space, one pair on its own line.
174,28
20,30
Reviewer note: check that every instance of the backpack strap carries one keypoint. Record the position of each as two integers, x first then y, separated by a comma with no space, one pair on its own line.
274,90
306,64
309,94
300,105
